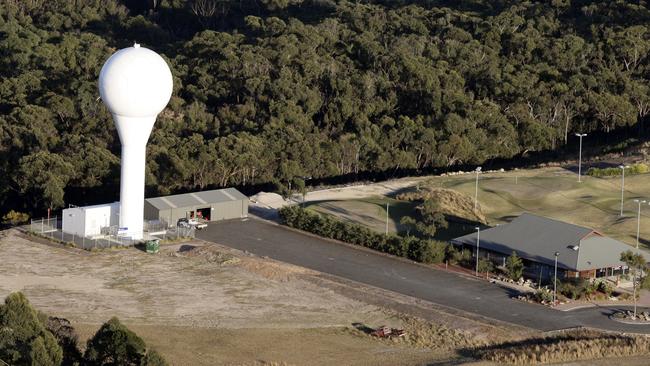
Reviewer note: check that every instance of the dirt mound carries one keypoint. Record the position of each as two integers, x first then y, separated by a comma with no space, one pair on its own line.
452,203
274,271
209,253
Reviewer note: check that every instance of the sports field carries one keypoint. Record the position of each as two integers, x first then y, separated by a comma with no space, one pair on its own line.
552,192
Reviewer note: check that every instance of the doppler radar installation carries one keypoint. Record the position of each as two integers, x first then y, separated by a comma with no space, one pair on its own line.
136,84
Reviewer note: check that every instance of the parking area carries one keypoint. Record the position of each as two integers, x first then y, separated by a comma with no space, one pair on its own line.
443,288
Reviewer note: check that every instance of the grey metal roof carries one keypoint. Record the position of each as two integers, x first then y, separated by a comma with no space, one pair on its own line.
603,252
537,238
196,198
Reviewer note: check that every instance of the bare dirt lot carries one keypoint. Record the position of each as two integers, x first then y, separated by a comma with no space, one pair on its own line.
202,304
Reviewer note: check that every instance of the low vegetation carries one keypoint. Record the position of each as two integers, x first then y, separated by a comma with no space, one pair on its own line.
633,169
565,347
420,250
514,267
13,218
451,203
31,338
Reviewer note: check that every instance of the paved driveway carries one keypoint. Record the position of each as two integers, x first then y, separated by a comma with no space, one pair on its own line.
437,286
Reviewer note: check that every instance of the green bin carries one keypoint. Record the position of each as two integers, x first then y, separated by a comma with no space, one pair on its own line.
153,246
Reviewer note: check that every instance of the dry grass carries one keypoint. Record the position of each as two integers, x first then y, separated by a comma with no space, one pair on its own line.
209,253
423,334
452,203
570,346
555,192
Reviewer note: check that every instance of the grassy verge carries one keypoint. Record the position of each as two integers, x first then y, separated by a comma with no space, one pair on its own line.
570,346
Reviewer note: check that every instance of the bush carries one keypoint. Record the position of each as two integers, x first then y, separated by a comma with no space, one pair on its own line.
639,168
420,250
426,251
543,295
574,288
15,218
514,267
462,257
485,265
605,287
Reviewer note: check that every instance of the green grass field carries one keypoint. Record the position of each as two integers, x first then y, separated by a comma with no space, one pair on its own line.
551,192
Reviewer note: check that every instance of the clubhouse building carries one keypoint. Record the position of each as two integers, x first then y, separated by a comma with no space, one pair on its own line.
581,251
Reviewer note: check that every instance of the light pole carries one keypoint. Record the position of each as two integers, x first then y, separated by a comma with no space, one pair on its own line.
638,221
581,135
478,243
622,167
478,170
386,218
555,279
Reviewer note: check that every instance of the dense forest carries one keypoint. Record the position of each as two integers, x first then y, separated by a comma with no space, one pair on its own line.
275,91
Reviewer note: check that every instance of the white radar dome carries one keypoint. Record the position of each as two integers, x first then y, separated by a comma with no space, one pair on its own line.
135,82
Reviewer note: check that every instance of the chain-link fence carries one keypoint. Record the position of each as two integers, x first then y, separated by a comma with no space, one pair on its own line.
49,228
177,233
43,226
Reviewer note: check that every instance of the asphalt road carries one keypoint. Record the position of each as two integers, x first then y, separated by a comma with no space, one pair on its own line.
437,286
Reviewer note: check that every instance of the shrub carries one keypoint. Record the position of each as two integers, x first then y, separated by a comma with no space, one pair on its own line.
639,168
605,287
455,256
543,295
485,265
573,288
15,218
420,250
514,267
425,251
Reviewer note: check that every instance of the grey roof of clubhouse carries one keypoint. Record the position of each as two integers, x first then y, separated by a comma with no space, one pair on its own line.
537,238
196,198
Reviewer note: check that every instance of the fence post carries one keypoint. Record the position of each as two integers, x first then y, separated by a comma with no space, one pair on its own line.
42,229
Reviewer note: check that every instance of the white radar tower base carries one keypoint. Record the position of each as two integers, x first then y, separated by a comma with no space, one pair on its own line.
136,84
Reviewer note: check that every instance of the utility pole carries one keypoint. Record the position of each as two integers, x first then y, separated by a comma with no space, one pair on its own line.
638,221
478,170
555,279
622,167
580,135
478,243
387,218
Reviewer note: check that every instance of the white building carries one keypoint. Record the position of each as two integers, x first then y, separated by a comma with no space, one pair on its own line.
88,221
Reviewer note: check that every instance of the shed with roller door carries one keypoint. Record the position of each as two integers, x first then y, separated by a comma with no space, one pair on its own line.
214,205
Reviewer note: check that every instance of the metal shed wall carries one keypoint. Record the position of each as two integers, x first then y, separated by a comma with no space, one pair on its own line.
224,204
150,212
